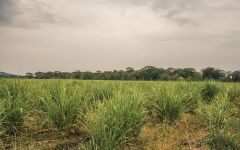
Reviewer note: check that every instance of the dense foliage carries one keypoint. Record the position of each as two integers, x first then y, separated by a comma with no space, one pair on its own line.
146,73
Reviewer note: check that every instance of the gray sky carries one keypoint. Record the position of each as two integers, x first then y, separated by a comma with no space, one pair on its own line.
66,35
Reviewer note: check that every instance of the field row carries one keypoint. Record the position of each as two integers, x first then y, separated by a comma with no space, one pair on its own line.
108,115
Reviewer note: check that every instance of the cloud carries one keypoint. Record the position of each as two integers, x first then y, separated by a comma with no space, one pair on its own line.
111,34
182,12
174,10
178,10
8,9
188,11
25,13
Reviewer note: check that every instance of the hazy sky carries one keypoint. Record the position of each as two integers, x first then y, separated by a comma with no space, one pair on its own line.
66,35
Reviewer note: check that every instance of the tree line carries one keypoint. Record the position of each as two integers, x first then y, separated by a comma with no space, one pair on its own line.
146,73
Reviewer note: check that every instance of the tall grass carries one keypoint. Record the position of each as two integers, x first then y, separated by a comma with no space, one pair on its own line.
115,112
94,93
209,91
218,113
116,121
233,93
2,109
14,95
219,134
166,104
61,101
222,140
189,95
99,91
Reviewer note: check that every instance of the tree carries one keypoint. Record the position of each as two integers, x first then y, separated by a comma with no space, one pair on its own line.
40,75
98,75
190,74
130,74
228,77
236,76
87,75
76,74
149,73
29,75
164,74
57,74
145,73
219,74
208,73
212,73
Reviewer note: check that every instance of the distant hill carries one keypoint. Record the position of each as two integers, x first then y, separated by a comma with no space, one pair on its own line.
4,74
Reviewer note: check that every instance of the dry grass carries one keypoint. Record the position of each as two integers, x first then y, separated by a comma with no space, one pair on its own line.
185,134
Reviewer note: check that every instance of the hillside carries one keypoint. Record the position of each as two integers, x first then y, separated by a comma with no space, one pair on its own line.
4,74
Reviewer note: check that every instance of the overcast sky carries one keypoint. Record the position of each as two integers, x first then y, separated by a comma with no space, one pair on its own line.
66,35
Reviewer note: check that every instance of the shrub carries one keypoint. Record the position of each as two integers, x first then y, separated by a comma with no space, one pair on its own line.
116,121
209,91
180,78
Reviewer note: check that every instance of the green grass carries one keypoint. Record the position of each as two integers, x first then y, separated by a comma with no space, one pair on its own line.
209,91
166,104
190,95
233,93
61,102
116,121
107,115
218,114
14,95
222,140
